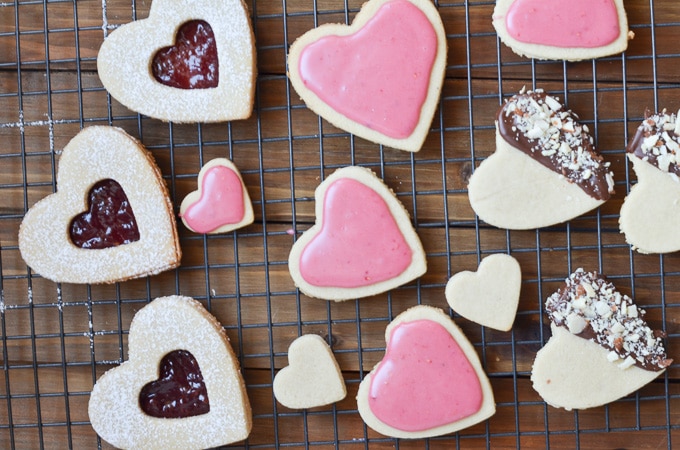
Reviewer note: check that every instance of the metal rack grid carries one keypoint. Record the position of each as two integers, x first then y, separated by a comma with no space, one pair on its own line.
58,339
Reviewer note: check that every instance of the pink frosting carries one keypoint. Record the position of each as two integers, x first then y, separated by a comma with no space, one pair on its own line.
220,203
573,23
425,379
359,243
378,76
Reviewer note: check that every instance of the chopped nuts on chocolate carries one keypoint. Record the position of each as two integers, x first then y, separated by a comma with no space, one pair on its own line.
589,306
539,125
657,141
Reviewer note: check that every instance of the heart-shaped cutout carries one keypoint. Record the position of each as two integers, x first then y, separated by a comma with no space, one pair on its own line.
312,377
362,243
221,203
126,60
192,62
164,326
575,30
109,220
601,348
489,296
95,154
379,78
430,381
519,186
649,215
179,390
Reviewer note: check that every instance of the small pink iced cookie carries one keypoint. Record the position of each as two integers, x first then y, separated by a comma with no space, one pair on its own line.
430,381
557,29
189,61
111,218
221,203
181,387
362,243
379,78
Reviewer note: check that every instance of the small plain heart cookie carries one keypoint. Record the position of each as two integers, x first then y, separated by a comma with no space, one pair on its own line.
111,218
545,169
430,381
489,296
555,29
362,243
189,61
221,203
379,78
650,214
181,387
312,377
601,348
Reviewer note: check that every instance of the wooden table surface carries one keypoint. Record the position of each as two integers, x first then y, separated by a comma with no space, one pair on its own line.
58,338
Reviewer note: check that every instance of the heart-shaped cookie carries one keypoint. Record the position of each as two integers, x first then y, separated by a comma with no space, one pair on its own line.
379,78
130,67
649,215
554,29
362,243
172,327
312,377
601,349
221,203
430,381
489,296
48,232
545,169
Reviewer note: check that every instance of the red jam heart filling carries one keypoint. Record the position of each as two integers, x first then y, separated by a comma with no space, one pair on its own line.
179,391
109,221
192,62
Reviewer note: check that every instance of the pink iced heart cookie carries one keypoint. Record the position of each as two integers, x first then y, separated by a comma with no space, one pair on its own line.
379,78
188,61
555,29
362,244
221,203
430,381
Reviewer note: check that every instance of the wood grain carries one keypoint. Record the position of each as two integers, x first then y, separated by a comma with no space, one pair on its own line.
57,339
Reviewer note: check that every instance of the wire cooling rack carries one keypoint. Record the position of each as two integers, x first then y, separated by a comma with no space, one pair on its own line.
58,339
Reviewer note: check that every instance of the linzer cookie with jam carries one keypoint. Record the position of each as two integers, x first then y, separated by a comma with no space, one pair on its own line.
601,348
111,218
430,381
181,387
189,61
379,78
545,169
572,31
649,215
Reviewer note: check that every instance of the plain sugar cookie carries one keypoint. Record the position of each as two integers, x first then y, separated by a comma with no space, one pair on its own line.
556,29
221,203
362,244
312,377
189,61
430,381
379,78
490,295
545,169
181,387
111,218
601,348
650,215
